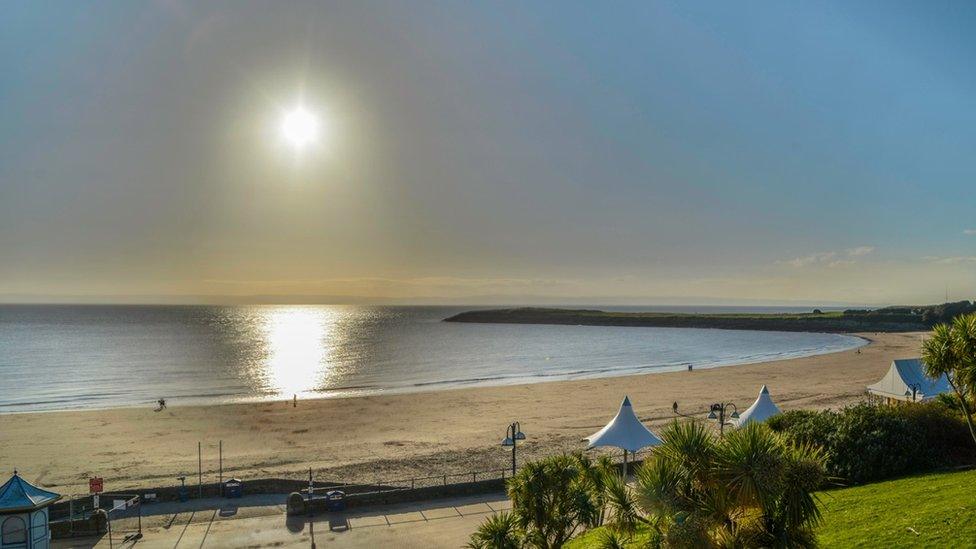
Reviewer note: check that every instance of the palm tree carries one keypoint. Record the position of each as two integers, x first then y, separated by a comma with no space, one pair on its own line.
596,475
618,497
553,499
678,486
749,489
499,531
951,351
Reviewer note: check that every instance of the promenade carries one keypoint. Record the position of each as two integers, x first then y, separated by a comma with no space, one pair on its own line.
260,521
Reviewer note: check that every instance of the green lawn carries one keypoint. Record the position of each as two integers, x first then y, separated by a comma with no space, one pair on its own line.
935,510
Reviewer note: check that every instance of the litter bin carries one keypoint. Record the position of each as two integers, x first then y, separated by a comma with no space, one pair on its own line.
335,500
233,488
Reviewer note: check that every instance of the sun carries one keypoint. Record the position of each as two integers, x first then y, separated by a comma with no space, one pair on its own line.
300,127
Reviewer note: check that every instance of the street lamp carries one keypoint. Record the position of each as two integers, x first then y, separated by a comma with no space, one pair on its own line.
512,435
183,494
915,388
718,411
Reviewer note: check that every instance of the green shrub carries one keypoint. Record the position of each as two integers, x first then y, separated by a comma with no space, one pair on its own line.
867,442
552,499
951,402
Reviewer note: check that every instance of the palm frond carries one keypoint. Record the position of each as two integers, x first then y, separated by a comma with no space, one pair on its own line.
624,510
498,531
610,539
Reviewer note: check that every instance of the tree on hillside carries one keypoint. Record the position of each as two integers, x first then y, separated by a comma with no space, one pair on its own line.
951,351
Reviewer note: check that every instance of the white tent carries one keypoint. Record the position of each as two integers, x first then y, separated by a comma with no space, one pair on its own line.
624,431
906,380
761,410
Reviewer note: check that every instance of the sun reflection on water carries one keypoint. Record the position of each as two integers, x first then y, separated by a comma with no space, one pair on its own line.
298,341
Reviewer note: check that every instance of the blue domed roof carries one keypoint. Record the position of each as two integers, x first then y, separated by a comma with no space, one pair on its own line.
18,495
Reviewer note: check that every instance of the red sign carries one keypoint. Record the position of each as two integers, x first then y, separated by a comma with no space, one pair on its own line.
95,485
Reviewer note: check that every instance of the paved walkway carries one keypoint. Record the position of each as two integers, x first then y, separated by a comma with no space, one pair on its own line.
422,525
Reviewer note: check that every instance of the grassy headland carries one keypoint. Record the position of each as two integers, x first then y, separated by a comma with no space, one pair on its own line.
888,319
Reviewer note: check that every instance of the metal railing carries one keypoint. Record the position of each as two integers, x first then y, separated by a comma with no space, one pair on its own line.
209,484
412,483
124,518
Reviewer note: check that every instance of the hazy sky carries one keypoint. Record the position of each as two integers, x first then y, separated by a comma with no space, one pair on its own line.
645,152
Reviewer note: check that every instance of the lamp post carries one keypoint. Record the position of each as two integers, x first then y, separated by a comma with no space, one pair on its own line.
512,435
915,388
718,411
183,495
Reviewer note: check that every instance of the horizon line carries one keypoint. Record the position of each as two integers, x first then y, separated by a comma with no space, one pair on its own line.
473,301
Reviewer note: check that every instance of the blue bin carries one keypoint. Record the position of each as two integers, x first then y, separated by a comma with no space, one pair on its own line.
233,488
335,500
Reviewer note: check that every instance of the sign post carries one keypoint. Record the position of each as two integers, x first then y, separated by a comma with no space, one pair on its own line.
95,487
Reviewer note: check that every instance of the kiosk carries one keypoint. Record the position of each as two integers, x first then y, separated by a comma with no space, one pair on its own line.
24,515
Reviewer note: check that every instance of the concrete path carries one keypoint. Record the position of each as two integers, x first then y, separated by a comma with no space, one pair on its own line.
425,525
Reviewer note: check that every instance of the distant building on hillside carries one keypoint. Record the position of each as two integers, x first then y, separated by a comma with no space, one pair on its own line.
906,382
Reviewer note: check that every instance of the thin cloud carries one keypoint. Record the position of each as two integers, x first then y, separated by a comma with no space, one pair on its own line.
859,251
396,286
953,260
830,259
812,259
969,231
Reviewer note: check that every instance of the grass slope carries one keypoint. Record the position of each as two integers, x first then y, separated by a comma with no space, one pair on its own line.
934,510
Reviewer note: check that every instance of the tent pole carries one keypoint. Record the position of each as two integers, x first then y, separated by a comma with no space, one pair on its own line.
625,464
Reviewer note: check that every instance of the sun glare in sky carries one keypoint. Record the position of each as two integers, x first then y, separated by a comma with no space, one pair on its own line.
300,127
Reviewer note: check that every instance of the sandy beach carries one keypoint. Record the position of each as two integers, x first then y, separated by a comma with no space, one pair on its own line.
380,438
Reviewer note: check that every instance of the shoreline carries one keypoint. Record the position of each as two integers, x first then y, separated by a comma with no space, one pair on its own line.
460,384
373,438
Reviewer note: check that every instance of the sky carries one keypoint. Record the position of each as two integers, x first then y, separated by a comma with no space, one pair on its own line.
523,152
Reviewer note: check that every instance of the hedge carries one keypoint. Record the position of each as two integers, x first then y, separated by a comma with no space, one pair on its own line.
867,442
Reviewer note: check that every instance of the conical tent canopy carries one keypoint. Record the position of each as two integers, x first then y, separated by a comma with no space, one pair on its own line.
19,495
761,410
624,431
903,376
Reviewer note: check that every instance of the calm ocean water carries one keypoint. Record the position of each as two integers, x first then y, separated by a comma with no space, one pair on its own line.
69,357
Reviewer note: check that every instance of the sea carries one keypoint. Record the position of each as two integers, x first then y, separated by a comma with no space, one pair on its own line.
65,357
